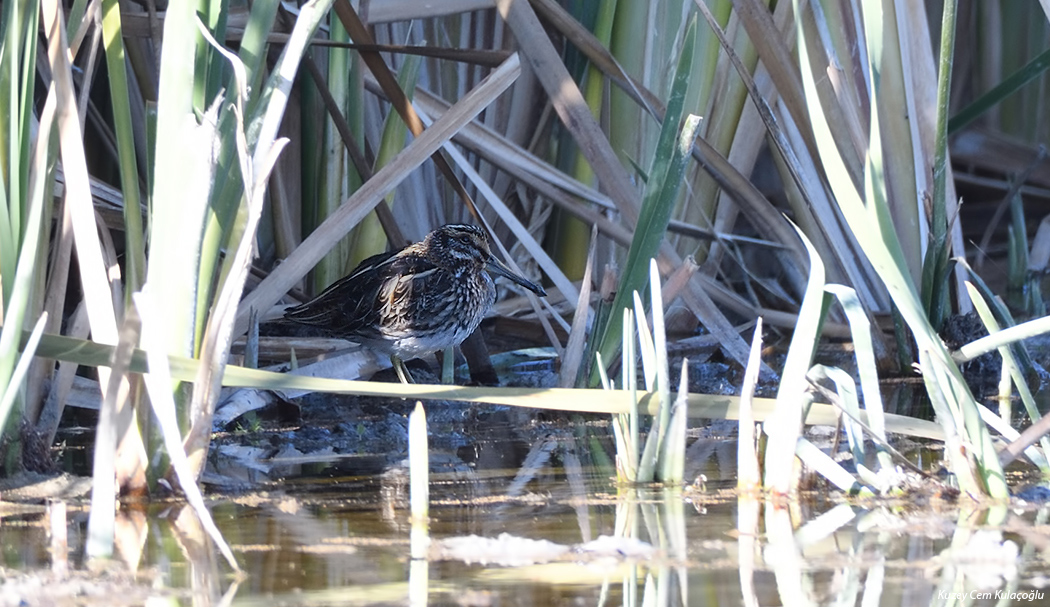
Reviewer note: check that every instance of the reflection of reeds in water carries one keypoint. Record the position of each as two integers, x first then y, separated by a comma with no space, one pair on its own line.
661,513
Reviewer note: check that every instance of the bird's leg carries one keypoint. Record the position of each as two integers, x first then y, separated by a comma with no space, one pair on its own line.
448,369
401,369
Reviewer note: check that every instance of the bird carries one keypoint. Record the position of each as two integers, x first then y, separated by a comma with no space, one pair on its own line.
426,297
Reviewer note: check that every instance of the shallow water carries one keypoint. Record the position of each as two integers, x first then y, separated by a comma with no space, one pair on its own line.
326,523
345,541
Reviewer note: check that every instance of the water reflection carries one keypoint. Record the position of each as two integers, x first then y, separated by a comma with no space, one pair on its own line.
346,541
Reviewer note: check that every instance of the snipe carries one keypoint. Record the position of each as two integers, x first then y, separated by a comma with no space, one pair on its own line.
426,297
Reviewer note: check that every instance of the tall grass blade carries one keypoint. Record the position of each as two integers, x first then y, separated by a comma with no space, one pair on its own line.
625,425
872,225
182,173
102,519
1001,314
135,248
822,463
646,345
650,364
860,330
663,372
661,193
159,382
14,384
215,346
847,393
21,243
1025,330
672,457
419,468
630,386
784,427
94,282
935,268
575,345
949,418
658,455
748,477
594,401
1014,82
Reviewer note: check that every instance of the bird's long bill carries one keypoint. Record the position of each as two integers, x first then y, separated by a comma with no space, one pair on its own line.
496,266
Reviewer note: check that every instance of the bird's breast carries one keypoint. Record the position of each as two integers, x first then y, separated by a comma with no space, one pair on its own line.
433,310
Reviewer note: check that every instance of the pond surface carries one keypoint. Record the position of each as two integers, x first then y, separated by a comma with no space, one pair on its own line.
523,511
533,535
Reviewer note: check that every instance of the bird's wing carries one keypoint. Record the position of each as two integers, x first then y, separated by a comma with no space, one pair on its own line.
351,304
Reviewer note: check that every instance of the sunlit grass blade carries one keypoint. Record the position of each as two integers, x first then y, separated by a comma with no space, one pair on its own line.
1001,314
596,401
672,457
215,346
949,419
625,425
419,466
650,363
822,463
748,476
784,429
665,457
104,488
576,343
182,173
94,282
159,382
23,264
847,392
646,346
860,329
663,374
628,423
1025,330
872,224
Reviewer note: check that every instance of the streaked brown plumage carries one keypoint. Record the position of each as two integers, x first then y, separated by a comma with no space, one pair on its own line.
426,297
